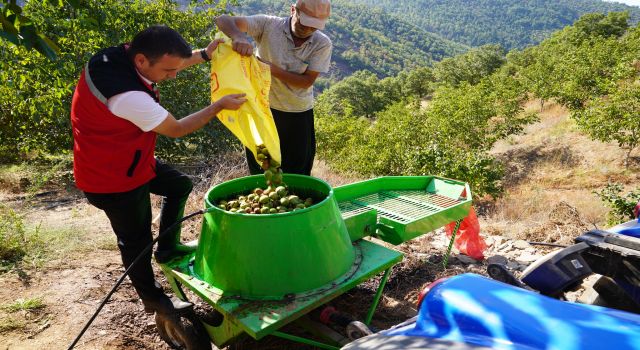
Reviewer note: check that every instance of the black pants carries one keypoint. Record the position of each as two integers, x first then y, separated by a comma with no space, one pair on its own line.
297,143
130,217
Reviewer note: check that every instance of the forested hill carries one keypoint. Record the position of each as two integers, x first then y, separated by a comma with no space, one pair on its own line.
510,23
368,38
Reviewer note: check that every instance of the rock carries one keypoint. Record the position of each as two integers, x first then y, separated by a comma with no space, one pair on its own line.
466,259
514,265
497,259
510,255
506,246
527,258
520,244
497,240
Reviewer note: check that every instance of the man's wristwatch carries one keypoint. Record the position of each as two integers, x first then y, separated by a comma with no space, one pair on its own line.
204,55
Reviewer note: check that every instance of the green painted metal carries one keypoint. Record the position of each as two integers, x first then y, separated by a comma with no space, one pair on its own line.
304,341
362,225
274,255
259,318
406,206
376,299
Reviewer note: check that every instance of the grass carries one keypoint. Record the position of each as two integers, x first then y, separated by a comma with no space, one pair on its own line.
33,177
24,305
15,239
32,244
10,323
24,320
560,165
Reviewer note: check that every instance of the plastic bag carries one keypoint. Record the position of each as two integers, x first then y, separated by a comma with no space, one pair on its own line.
468,240
252,124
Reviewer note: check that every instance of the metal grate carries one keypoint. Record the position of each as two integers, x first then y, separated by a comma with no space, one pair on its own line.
349,209
401,206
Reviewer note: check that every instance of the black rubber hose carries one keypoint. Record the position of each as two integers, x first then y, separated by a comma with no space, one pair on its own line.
126,272
548,244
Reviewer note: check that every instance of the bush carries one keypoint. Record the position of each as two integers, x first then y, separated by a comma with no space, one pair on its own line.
450,137
621,205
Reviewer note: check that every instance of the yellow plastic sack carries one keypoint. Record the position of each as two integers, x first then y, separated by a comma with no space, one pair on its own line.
253,123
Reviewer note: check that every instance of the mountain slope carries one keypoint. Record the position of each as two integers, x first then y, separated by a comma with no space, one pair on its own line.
512,24
369,38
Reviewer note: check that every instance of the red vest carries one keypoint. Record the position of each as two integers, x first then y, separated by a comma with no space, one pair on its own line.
110,154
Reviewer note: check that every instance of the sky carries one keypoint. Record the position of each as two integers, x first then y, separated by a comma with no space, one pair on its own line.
628,2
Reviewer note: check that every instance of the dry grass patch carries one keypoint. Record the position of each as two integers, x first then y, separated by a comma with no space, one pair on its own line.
552,168
322,171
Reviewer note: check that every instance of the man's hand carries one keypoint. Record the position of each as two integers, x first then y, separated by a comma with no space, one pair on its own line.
212,46
636,210
242,45
231,102
236,29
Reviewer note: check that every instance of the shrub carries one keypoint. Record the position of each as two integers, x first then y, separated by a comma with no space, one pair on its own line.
621,205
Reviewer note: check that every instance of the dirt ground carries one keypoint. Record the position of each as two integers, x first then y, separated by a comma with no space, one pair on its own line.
547,200
73,288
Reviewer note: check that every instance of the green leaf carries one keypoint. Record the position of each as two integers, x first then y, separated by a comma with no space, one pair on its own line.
47,47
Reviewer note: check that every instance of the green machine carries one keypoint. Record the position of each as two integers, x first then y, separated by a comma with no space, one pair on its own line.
261,272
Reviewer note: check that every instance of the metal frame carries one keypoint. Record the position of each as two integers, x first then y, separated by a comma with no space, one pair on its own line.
259,318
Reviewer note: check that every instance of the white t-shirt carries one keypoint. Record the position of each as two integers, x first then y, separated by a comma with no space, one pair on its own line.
139,108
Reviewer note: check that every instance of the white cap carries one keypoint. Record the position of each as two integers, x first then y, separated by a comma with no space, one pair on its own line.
314,13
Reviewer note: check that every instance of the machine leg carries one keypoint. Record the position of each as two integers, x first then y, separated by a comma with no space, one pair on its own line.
304,340
445,262
383,282
175,285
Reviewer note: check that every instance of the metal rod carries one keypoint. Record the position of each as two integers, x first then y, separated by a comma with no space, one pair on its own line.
548,244
304,340
453,238
126,272
376,299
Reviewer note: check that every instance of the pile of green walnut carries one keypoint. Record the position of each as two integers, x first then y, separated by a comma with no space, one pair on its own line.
272,200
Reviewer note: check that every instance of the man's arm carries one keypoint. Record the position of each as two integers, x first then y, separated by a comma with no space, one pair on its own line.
236,29
172,127
304,80
196,55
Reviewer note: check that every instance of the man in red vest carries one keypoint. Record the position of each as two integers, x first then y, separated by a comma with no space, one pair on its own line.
116,116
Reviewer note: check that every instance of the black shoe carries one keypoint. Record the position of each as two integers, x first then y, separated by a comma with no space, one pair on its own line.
167,306
180,250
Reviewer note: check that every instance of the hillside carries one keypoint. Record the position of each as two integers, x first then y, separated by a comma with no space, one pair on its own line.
512,24
548,199
371,39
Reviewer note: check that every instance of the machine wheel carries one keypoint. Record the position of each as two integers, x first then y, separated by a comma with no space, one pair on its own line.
357,330
183,332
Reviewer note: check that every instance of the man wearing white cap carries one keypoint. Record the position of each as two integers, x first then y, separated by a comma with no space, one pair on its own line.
297,53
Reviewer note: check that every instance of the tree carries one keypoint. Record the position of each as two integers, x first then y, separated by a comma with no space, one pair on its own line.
469,67
353,96
20,30
36,91
597,24
614,117
417,82
451,137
